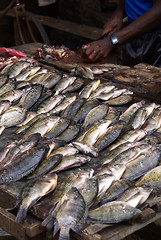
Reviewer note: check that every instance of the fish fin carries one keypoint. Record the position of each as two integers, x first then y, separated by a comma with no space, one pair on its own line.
56,228
64,234
48,222
2,129
34,201
78,228
53,208
21,215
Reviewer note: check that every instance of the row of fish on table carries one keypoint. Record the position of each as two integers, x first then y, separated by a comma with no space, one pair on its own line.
70,139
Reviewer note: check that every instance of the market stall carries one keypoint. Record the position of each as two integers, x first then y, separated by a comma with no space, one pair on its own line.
97,136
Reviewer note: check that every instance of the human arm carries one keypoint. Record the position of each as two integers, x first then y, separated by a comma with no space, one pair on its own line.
115,22
100,49
143,24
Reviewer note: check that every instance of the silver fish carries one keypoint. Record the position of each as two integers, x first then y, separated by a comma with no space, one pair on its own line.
88,89
50,103
95,114
113,212
32,192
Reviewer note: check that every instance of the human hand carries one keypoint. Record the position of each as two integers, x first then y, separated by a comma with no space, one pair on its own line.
97,50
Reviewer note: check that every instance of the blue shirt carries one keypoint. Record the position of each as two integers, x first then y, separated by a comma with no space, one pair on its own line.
135,8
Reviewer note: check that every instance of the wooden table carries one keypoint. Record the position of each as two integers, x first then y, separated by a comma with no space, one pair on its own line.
32,228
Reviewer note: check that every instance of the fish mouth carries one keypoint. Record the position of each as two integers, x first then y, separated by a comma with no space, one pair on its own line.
84,148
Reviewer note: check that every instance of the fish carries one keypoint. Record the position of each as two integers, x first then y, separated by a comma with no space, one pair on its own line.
117,170
135,196
95,114
151,179
30,97
113,212
111,95
120,100
66,218
112,114
141,115
129,136
13,116
85,109
29,121
66,181
130,111
95,132
23,165
65,151
23,145
130,154
143,163
85,148
53,144
104,182
71,161
110,155
32,192
5,69
16,68
63,105
46,93
98,70
88,89
8,86
109,136
89,190
12,95
3,80
152,200
153,122
59,127
50,103
114,191
23,85
75,86
52,79
69,134
42,126
37,76
4,105
102,88
29,71
5,151
63,83
72,109
83,72
45,166
40,78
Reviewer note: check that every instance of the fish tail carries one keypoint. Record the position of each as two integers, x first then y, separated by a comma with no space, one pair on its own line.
21,215
64,234
48,222
56,228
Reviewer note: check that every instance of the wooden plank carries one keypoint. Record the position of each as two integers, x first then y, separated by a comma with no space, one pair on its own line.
8,224
28,48
81,30
31,228
97,232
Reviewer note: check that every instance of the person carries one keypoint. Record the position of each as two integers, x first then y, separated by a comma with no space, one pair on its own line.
140,38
